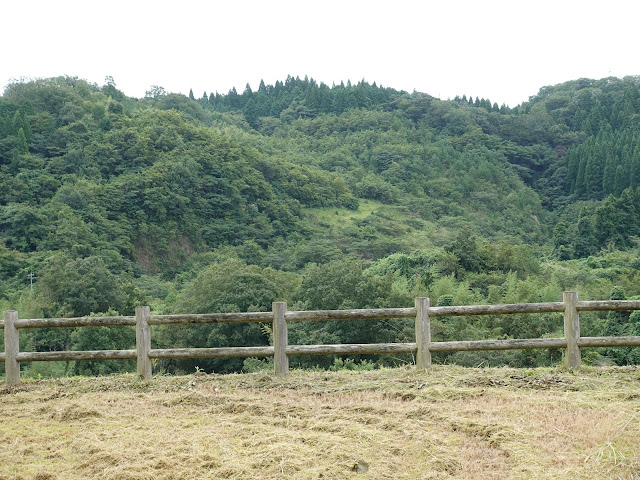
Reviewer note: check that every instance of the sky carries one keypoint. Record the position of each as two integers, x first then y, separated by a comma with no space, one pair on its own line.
504,51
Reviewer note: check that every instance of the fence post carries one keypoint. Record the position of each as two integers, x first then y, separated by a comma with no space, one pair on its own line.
143,342
423,332
280,338
11,348
571,329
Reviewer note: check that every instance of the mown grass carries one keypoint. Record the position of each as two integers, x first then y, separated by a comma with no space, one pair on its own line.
447,422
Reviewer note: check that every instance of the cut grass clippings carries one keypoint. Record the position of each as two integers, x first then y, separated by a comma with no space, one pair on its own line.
446,422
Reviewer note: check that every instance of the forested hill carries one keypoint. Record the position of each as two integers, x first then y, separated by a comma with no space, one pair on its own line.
115,201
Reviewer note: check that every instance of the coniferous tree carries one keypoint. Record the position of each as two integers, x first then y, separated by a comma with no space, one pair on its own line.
593,174
312,99
580,188
628,213
21,142
609,174
251,113
232,99
621,180
572,160
17,122
634,174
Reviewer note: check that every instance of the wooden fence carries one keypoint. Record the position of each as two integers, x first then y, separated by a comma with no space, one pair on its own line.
281,350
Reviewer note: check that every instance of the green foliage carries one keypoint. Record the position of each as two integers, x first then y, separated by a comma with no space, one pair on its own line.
346,284
341,284
611,224
350,196
622,324
254,365
103,338
233,285
351,364
79,287
228,286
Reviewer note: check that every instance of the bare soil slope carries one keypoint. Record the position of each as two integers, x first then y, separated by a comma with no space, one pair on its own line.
447,422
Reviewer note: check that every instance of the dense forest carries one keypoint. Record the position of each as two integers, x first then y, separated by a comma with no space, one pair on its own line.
349,196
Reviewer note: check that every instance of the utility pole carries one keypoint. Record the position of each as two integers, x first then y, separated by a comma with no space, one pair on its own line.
31,277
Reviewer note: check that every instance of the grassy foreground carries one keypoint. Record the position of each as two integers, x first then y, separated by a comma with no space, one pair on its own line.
447,422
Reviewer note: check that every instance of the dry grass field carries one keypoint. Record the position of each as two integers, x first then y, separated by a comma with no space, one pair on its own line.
447,422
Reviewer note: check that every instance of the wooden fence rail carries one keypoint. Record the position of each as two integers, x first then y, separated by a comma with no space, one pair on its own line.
422,348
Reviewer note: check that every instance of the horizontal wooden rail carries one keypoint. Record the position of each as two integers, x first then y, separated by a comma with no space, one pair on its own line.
508,309
76,322
608,305
366,314
67,356
512,344
221,352
280,351
628,341
257,317
352,349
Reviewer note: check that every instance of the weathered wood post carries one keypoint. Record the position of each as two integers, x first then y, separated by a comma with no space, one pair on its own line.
143,342
280,338
11,348
571,329
423,332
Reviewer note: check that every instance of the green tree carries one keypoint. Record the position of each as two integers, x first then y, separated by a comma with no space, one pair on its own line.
621,180
23,226
580,185
346,284
339,284
561,242
227,286
103,338
618,324
609,174
78,287
593,174
251,113
584,243
465,248
606,223
10,262
634,175
21,142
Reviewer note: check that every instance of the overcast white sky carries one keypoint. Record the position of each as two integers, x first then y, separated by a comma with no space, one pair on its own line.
501,50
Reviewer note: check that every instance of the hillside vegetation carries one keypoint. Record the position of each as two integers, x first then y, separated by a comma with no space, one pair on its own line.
447,422
350,196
